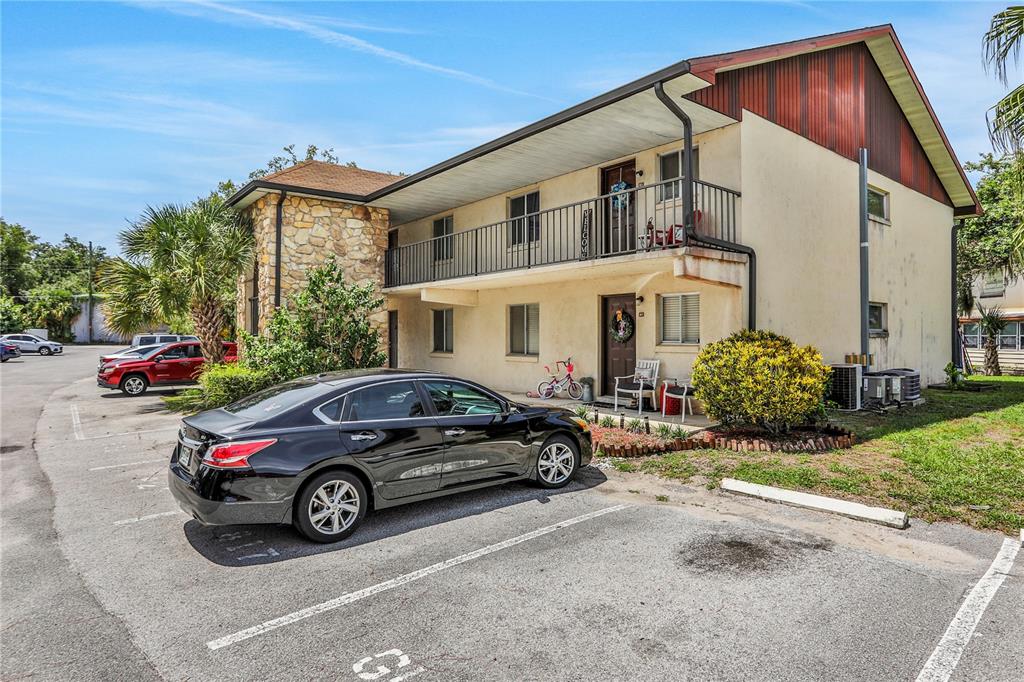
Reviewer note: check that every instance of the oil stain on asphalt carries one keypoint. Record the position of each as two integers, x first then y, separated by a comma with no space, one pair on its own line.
746,553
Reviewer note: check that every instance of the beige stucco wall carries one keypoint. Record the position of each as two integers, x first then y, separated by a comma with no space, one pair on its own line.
570,317
312,230
801,216
719,164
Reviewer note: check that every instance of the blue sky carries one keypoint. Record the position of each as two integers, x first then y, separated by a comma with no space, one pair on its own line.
108,107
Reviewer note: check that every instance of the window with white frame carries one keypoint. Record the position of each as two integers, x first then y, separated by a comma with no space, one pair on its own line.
993,284
972,335
524,221
442,233
878,318
524,329
1009,338
878,204
670,167
444,330
679,318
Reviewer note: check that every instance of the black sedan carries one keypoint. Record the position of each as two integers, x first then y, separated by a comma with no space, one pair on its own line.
321,451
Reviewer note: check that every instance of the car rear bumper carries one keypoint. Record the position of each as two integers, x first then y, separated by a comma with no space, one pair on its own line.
221,512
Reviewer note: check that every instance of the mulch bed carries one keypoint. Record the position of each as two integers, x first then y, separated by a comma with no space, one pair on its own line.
619,443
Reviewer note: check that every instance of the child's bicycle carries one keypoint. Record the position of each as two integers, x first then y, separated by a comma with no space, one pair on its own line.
549,388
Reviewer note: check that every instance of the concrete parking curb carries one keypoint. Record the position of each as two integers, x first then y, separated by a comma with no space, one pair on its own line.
853,510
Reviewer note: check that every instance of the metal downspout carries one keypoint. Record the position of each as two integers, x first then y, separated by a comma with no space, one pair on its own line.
277,249
958,356
691,232
864,273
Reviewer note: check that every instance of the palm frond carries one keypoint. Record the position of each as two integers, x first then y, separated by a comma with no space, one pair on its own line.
1003,40
1006,122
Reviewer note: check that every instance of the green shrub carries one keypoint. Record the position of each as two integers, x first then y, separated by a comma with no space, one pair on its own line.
220,385
607,422
760,378
635,425
327,327
582,411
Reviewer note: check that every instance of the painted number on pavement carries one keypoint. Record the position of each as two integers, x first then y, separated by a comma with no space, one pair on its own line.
378,671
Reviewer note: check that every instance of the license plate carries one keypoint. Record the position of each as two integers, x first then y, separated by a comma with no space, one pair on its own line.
185,458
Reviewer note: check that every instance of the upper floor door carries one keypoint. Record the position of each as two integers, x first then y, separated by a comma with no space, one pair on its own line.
619,229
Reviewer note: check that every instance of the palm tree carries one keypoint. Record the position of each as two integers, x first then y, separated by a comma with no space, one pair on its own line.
179,260
992,322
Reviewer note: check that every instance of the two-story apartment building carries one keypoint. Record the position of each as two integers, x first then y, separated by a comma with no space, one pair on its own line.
997,290
721,192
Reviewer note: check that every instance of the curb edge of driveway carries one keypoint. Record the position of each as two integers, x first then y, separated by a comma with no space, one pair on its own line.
853,510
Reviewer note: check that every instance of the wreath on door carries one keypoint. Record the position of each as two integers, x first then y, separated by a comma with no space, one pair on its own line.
622,326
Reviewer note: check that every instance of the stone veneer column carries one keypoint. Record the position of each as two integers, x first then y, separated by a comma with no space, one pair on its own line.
312,230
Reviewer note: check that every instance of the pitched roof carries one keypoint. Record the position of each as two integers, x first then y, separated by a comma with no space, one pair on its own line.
414,195
331,177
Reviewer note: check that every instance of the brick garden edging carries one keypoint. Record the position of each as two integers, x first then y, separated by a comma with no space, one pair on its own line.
841,439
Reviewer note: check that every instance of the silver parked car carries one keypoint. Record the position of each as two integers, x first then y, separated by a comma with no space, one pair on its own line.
156,337
29,343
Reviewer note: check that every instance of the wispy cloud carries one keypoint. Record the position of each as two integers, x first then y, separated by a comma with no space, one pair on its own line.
165,114
318,31
168,63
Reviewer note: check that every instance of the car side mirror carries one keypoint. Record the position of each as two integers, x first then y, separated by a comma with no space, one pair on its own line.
159,358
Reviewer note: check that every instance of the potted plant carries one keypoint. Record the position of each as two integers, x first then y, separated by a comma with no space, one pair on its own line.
588,389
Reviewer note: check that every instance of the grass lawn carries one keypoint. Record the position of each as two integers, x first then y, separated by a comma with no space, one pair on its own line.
959,457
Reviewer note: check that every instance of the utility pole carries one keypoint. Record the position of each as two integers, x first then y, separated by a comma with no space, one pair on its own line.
89,306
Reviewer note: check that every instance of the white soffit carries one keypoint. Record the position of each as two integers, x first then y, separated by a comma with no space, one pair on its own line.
625,127
893,68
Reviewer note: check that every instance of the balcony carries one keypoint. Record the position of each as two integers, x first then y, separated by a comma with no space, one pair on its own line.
636,220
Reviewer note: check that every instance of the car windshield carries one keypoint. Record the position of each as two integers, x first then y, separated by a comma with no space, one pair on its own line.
274,400
154,351
138,350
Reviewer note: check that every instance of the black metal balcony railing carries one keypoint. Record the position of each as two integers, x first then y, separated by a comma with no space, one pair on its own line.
638,219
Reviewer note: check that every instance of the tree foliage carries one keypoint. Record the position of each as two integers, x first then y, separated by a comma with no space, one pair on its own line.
760,378
12,316
179,260
989,242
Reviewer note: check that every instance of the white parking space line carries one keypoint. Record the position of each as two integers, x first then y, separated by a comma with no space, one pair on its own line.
351,597
76,423
129,464
147,517
943,661
127,433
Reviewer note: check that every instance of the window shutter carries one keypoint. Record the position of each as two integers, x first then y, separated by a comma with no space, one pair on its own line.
680,318
671,319
533,329
691,318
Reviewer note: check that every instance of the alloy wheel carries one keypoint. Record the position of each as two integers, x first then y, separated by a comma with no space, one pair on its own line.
334,507
134,385
556,463
44,351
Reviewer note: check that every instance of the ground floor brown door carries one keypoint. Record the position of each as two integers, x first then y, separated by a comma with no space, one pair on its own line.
393,339
619,357
619,219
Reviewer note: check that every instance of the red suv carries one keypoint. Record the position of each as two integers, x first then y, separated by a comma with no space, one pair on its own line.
175,363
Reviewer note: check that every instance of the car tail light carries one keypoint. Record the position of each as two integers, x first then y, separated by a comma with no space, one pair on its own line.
235,455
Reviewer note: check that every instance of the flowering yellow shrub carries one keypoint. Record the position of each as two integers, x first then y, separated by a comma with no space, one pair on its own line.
760,378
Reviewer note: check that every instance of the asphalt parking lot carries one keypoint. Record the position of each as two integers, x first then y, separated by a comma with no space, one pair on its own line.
103,578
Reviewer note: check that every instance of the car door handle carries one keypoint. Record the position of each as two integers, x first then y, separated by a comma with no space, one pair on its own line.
365,435
454,432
